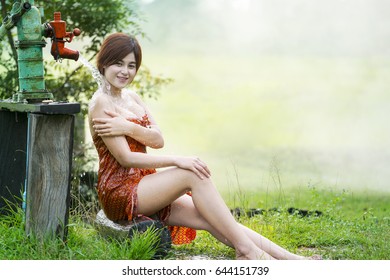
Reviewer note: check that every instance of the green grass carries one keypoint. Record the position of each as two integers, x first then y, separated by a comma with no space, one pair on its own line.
353,226
83,242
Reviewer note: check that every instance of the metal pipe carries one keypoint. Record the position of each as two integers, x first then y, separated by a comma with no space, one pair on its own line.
30,56
3,31
13,17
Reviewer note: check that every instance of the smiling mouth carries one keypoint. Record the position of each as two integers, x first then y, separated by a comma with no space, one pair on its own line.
124,79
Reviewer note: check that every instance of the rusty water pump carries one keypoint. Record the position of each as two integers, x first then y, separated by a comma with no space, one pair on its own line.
27,19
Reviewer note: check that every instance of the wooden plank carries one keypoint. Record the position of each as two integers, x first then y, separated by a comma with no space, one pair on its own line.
49,161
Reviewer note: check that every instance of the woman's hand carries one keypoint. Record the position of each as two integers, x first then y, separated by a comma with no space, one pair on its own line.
195,165
116,125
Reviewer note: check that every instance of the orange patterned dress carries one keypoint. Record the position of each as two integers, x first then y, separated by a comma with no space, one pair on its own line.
117,187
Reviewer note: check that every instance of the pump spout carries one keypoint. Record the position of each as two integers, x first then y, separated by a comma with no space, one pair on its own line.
59,51
56,29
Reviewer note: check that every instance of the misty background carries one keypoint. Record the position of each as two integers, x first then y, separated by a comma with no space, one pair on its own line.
275,94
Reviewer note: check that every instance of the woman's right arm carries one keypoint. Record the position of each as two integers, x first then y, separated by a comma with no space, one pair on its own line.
119,148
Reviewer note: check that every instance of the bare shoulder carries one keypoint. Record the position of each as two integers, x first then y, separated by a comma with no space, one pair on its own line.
100,97
98,103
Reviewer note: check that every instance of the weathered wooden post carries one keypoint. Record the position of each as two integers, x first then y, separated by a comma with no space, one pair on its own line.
49,161
45,147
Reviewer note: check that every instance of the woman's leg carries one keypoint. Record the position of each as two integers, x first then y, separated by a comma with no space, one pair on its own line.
158,190
270,247
184,213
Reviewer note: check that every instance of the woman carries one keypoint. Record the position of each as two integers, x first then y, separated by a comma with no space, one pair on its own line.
129,186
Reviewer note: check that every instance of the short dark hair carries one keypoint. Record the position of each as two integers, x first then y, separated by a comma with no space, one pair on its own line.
117,46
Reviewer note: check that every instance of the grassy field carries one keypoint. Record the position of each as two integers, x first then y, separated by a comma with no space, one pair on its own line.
318,120
350,226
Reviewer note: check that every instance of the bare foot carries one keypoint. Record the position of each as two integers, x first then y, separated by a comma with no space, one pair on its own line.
314,257
254,255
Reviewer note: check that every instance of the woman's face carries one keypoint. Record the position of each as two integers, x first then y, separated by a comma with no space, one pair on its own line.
121,73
